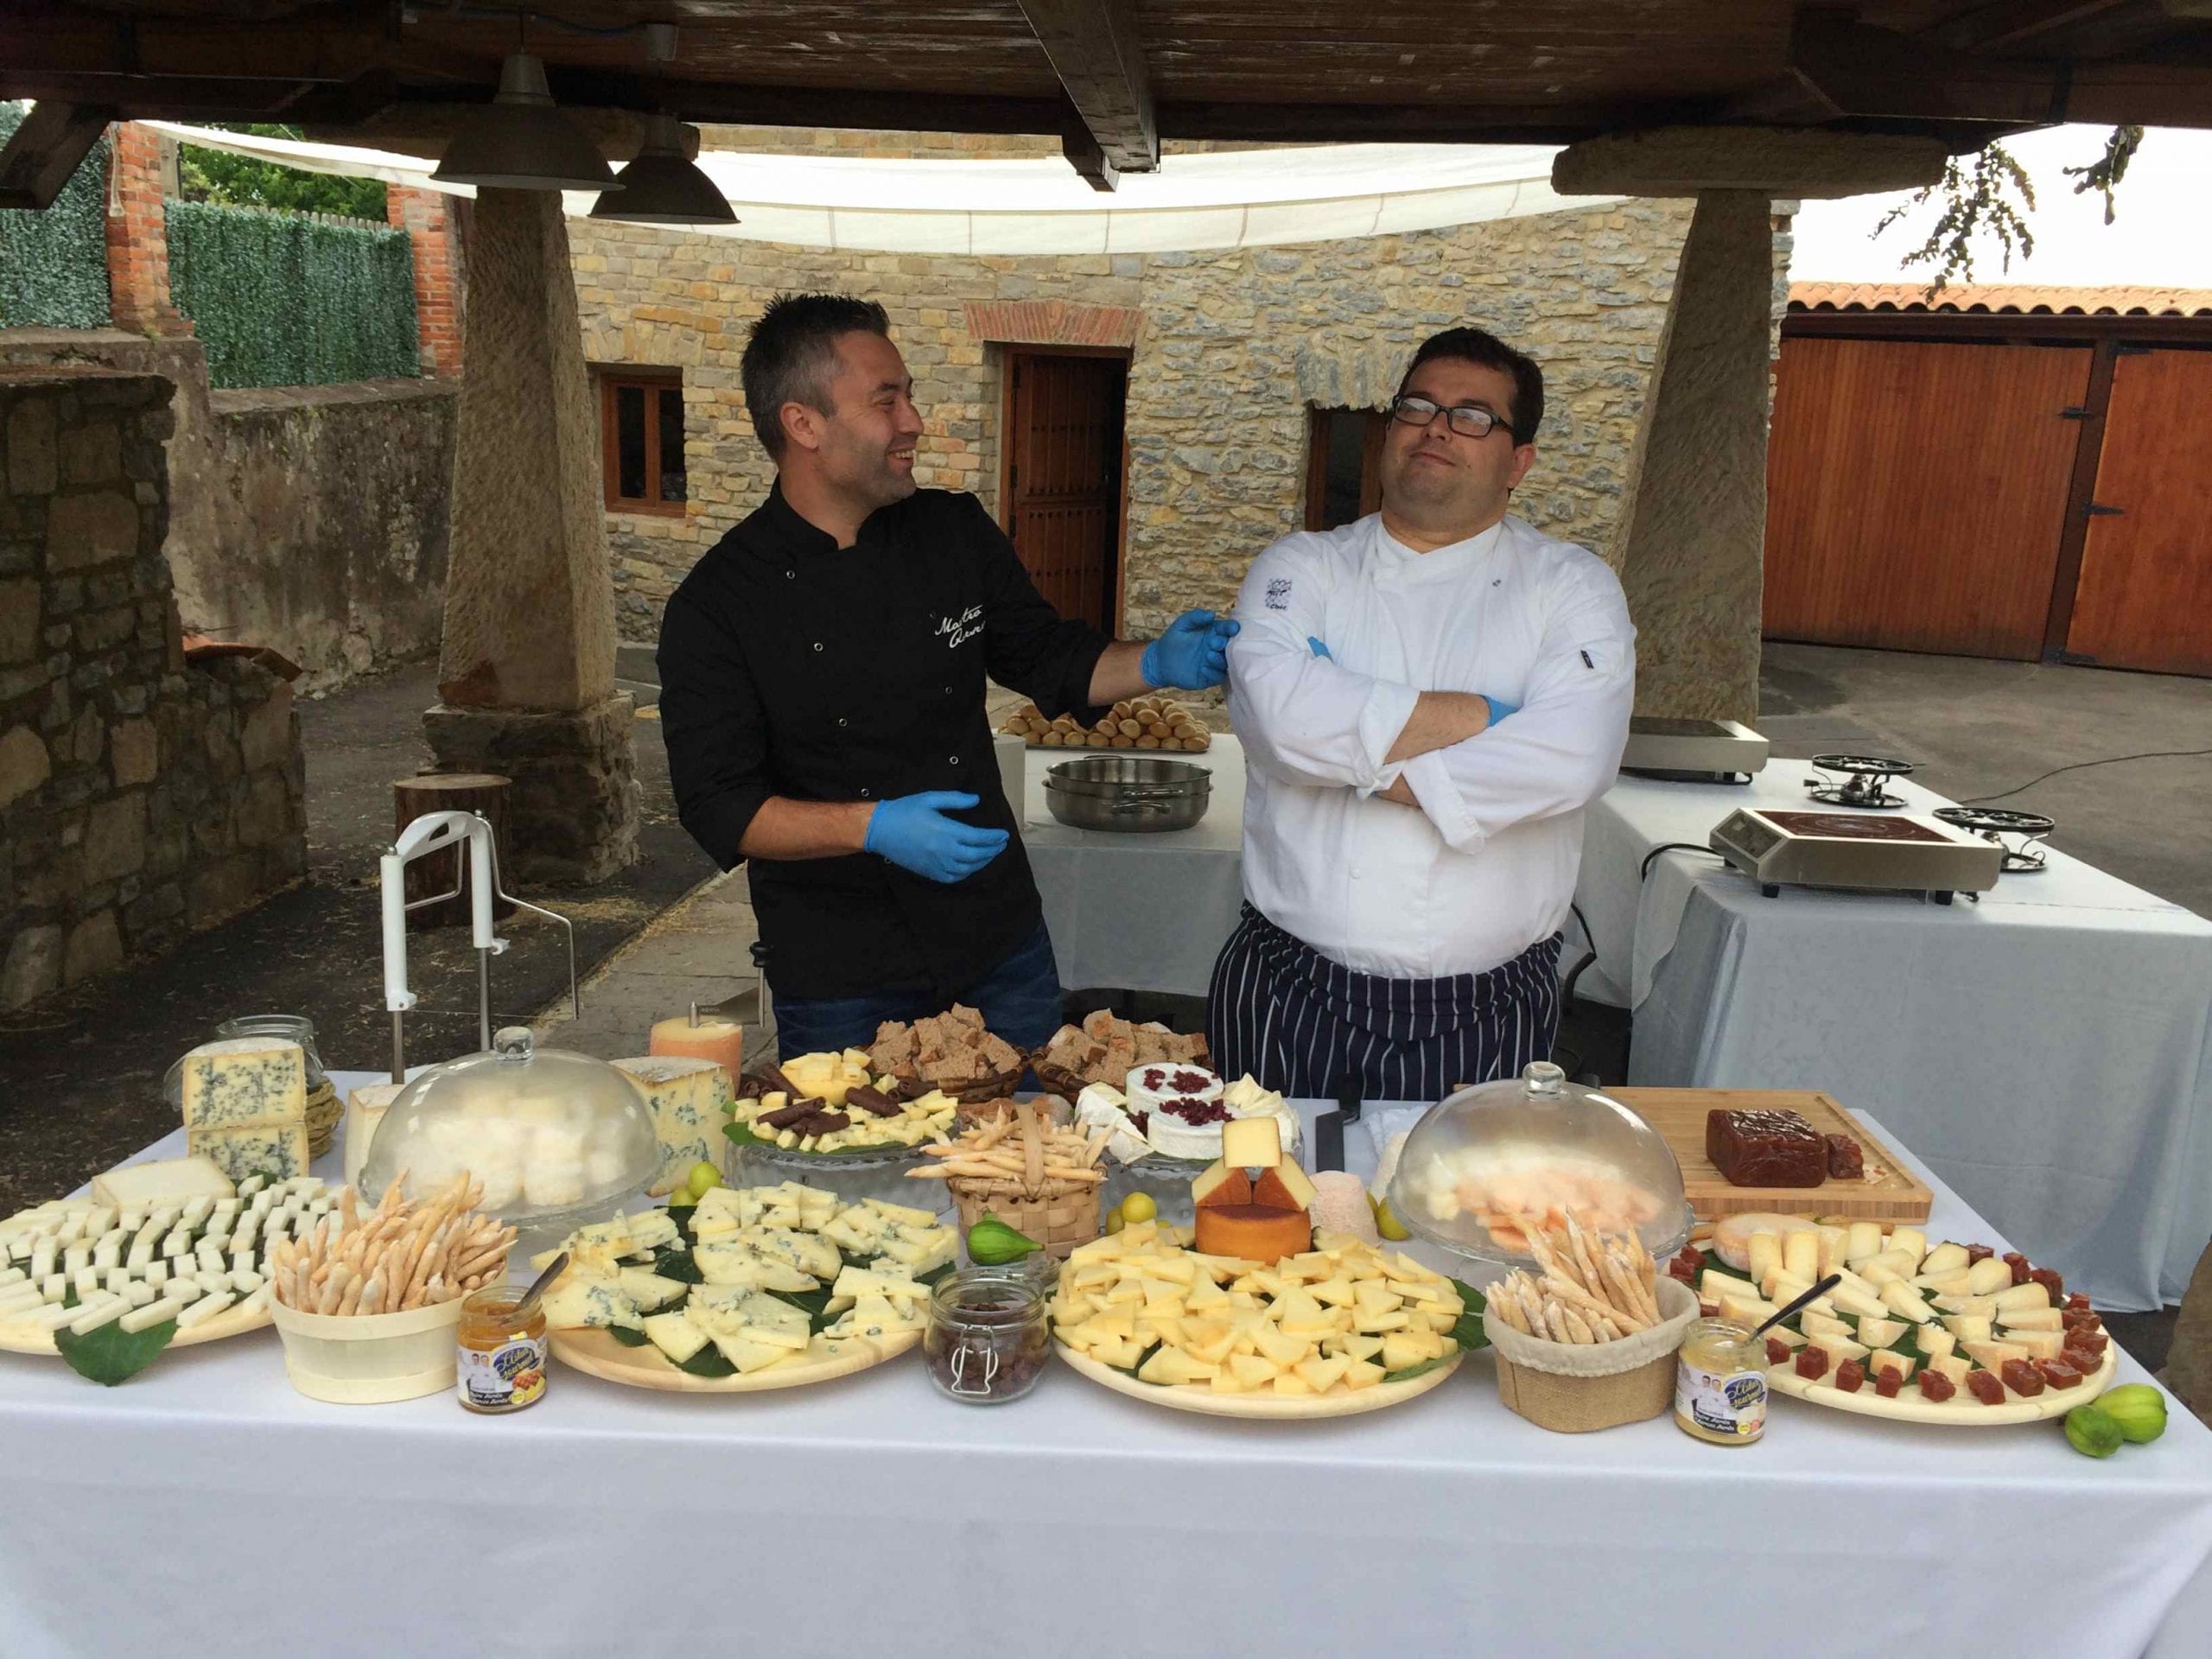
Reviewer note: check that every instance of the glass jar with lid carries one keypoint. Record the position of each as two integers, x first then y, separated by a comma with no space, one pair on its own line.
1490,1160
549,1133
1721,1383
987,1341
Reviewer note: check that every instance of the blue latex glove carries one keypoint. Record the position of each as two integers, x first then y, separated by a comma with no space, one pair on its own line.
1193,654
1498,707
914,833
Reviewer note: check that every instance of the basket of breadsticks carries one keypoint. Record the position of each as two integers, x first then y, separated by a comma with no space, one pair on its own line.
1586,1339
1039,1177
368,1301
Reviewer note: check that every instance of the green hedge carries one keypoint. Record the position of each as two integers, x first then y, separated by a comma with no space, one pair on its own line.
278,300
54,260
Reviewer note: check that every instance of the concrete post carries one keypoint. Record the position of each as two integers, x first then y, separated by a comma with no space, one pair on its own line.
1691,543
526,670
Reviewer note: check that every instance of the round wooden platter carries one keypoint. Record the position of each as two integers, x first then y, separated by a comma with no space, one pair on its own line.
597,1354
1962,1410
1260,1407
19,1339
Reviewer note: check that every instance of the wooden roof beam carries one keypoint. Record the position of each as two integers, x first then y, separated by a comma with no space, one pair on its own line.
1095,51
1875,73
46,148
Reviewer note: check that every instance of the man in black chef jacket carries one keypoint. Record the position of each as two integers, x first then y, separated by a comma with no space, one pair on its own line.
822,698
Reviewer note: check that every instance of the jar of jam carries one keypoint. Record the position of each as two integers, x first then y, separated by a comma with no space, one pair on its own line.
1721,1383
502,1350
986,1341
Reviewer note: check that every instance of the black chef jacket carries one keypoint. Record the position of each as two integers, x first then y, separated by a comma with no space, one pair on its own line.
790,666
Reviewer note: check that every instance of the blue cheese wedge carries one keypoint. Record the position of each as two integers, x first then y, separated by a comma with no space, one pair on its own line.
688,1100
650,1290
675,1335
245,1080
241,1150
576,1301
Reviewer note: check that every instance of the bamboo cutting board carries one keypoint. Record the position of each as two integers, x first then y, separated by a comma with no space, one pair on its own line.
1888,1193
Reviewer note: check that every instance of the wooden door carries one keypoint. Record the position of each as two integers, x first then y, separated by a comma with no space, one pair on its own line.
2144,595
1916,493
1064,478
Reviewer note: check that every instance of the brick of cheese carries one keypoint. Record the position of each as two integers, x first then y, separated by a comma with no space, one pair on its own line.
244,1080
688,1100
160,1180
277,1150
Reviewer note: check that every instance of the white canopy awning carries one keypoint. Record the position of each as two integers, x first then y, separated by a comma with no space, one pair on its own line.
1228,199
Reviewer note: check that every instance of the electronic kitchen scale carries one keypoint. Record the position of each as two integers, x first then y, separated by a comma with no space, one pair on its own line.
1895,852
1693,750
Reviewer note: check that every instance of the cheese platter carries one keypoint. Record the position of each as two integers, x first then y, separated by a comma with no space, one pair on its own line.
748,1289
1915,1329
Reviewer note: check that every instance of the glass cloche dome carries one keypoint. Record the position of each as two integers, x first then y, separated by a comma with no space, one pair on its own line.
549,1133
1536,1146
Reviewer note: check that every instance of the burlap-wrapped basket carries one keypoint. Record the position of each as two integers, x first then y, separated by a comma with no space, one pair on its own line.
1575,1388
324,1112
1059,1219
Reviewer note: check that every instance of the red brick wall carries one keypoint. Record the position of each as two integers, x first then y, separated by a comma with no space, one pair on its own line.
427,216
138,238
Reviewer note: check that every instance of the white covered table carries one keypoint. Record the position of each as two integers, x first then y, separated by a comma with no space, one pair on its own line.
1145,912
206,1508
2047,1050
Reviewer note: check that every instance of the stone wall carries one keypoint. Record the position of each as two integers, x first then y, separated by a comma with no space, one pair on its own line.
140,795
1233,349
309,519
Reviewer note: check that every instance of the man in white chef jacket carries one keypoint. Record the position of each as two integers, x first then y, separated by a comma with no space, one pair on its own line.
1427,699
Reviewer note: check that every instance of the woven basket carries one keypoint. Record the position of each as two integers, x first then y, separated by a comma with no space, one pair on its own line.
325,1111
1574,1390
1065,1216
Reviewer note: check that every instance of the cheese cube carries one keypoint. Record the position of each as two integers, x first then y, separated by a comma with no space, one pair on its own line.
245,1080
688,1100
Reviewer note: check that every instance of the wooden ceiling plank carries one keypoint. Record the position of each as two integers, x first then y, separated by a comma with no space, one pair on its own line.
1094,49
2010,23
45,151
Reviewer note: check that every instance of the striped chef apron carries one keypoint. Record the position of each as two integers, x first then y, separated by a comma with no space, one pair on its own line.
1283,1012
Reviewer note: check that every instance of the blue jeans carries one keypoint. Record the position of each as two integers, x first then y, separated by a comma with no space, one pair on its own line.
1019,1000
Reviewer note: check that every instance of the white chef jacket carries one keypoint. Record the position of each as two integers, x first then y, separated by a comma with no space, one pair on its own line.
1486,866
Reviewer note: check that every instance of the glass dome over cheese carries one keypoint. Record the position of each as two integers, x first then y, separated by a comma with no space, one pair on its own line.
547,1132
1534,1147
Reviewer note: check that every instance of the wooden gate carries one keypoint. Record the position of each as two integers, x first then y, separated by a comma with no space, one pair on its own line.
2144,599
1916,492
1063,477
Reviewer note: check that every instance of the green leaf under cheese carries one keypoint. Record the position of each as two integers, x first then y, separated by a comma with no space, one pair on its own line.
674,1261
1468,1333
707,1362
112,1355
1421,1370
629,1336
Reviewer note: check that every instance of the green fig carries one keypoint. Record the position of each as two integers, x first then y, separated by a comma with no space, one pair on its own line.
992,1243
2139,1409
2092,1432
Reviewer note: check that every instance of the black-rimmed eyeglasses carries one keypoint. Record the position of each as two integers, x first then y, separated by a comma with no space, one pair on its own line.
1468,420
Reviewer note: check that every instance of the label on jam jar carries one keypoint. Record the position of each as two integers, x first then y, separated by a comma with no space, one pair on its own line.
505,1378
1721,1405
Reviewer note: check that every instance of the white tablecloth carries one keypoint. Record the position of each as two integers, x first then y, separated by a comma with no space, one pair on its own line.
1145,912
205,1507
2048,1049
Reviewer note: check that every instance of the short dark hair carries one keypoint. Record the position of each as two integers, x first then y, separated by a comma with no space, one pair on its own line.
1486,350
791,356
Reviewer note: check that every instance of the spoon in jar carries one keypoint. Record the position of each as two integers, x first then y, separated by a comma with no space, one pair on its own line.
540,1285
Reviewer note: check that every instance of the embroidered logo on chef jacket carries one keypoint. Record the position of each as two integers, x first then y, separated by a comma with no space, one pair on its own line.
958,631
1278,594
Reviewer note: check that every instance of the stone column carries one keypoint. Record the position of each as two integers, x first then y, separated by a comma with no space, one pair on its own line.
526,672
1693,524
1691,548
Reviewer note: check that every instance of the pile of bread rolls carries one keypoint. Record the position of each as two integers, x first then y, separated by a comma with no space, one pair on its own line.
1132,723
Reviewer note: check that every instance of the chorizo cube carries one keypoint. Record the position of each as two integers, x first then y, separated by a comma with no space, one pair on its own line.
1987,1387
2021,1377
2058,1374
2020,1265
1887,1384
2050,1279
1935,1387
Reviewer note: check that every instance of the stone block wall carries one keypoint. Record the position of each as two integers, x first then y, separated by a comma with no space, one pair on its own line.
140,797
309,519
1231,351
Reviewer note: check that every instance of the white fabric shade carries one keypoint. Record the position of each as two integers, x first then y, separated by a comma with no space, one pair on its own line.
1229,199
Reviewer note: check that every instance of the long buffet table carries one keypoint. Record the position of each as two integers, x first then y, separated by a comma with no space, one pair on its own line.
2047,1049
205,1507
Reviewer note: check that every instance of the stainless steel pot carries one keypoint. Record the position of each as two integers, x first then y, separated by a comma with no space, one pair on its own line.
1127,793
